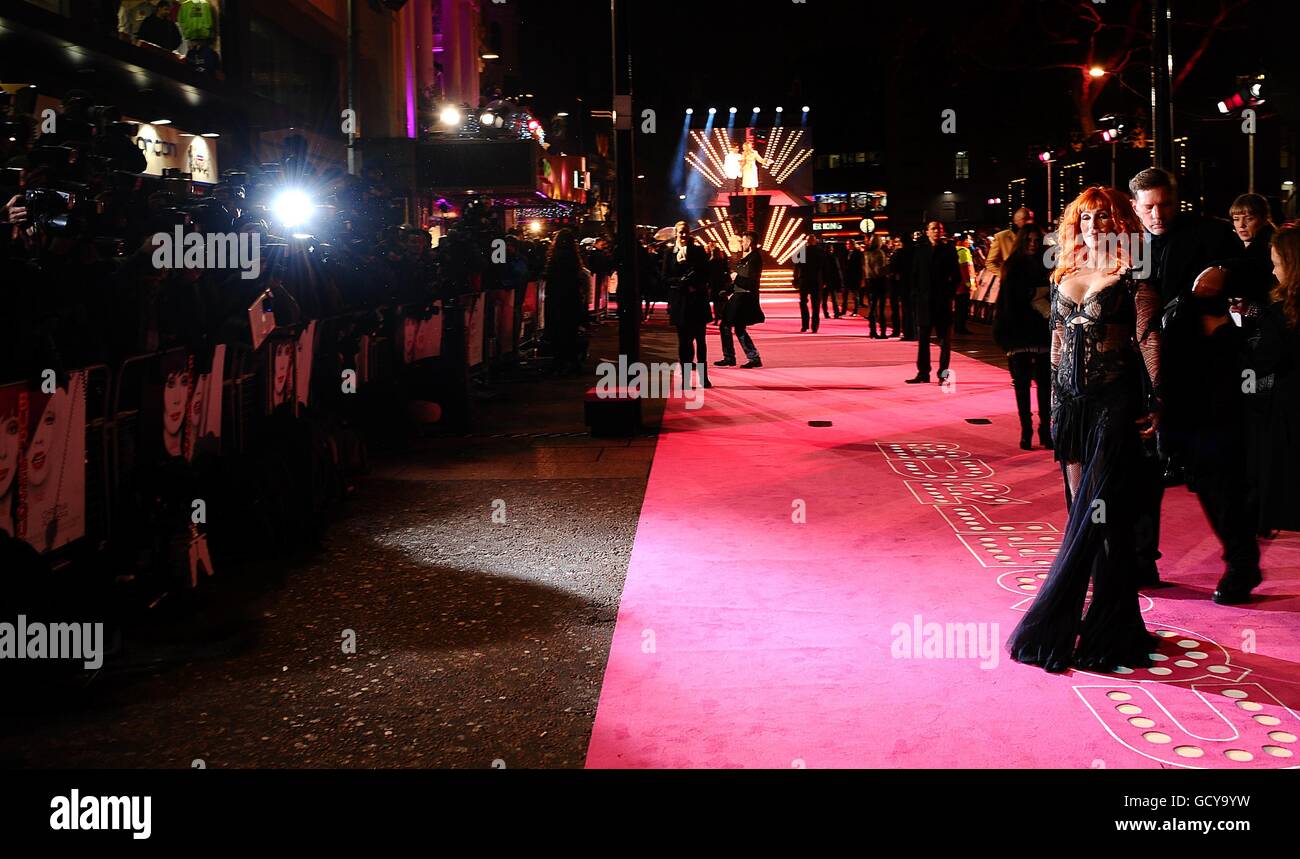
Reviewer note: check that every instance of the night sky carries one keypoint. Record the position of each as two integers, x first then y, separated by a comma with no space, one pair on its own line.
879,75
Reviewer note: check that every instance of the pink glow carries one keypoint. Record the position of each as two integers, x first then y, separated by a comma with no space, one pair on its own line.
411,85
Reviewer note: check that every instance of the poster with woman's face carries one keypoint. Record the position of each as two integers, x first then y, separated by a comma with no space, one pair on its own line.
52,480
178,387
282,353
11,435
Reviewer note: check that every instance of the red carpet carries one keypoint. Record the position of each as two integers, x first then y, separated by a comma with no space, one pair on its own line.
805,596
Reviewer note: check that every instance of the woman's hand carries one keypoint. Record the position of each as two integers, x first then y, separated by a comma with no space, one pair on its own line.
1150,425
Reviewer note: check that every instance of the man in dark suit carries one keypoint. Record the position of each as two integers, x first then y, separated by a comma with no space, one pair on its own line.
935,278
809,276
1194,264
742,309
853,279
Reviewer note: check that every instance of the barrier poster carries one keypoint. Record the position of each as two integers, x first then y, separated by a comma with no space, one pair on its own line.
46,499
474,320
422,335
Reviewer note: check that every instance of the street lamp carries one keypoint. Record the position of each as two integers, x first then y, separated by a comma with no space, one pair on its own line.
1046,158
1096,71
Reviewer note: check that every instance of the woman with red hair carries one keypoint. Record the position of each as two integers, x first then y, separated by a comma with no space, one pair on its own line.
1105,402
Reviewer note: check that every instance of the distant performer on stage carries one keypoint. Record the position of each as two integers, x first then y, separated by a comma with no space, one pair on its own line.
749,160
742,309
731,167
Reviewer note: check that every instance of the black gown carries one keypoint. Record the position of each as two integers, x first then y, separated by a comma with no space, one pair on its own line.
1105,375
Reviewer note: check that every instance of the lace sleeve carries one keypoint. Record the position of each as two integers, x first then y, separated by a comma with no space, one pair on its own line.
1054,323
1148,331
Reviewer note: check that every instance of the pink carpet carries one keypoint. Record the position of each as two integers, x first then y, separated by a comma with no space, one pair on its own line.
815,597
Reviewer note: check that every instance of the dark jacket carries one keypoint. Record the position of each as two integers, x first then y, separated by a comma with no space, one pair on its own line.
1252,272
834,269
1190,246
160,32
1275,417
688,286
1017,323
936,275
743,306
812,272
900,269
853,269
1201,382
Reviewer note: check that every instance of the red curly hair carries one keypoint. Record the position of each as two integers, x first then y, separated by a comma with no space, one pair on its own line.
1070,236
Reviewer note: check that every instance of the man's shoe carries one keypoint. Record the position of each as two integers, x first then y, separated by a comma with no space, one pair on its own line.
751,365
921,379
1234,589
1149,576
1027,440
725,362
1045,438
803,330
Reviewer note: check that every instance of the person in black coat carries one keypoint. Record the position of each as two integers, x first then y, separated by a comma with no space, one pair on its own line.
719,280
854,278
936,275
686,272
809,277
566,308
742,308
900,288
1021,329
1254,228
1195,263
1273,335
834,281
160,27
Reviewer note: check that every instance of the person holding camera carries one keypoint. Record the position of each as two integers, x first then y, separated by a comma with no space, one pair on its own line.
686,271
742,307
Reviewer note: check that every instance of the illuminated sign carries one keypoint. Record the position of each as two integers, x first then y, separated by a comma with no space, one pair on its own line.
165,147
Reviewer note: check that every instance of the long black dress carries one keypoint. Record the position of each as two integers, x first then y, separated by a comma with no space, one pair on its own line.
1105,358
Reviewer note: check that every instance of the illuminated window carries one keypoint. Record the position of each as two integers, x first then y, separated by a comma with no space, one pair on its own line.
963,165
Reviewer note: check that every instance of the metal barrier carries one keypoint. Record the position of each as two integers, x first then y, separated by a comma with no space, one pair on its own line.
177,404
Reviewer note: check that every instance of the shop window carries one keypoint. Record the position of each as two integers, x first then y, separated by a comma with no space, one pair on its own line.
190,29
